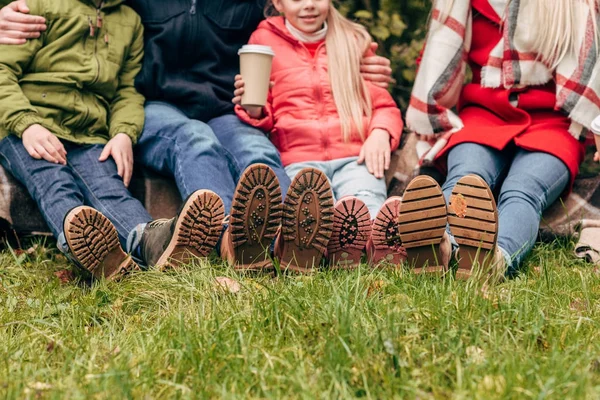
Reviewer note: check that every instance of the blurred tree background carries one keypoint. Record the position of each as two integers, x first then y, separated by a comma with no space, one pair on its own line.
399,26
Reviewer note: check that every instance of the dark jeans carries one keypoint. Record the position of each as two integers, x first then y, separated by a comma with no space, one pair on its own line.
83,181
202,155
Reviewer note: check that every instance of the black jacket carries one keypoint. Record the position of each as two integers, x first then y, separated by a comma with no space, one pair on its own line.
191,51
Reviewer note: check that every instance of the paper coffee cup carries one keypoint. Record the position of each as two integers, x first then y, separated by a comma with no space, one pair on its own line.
255,68
596,131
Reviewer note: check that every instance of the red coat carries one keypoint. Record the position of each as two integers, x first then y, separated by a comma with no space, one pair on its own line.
489,118
301,115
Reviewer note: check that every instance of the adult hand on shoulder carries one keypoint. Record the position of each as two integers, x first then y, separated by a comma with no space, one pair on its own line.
597,157
254,112
376,152
16,25
121,150
40,143
376,69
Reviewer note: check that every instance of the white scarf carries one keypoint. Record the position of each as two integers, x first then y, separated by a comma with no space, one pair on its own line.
307,37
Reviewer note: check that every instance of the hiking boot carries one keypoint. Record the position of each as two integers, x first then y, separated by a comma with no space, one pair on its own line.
423,220
307,222
192,234
473,220
385,244
94,244
254,220
351,231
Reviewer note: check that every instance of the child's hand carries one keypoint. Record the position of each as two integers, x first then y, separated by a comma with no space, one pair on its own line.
376,152
121,150
40,143
254,112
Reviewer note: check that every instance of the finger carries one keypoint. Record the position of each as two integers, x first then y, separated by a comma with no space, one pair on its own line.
376,61
105,153
59,148
387,159
271,84
33,153
374,47
361,156
15,33
119,161
369,161
374,77
11,41
50,149
30,22
238,84
238,92
380,165
44,154
20,6
128,163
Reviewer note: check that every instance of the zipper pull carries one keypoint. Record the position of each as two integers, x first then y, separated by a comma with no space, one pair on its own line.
106,38
92,28
193,9
98,18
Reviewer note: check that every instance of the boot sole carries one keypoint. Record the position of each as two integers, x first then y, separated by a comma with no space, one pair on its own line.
474,223
351,230
385,234
197,230
423,220
255,217
94,243
307,221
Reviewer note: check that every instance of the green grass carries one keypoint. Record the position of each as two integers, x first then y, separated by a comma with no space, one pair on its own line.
365,333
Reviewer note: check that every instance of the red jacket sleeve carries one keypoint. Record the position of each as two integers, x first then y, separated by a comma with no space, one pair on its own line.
266,123
386,115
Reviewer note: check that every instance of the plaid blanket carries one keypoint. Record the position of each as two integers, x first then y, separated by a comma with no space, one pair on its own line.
510,65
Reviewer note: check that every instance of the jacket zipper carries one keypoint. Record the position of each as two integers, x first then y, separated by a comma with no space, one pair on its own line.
98,25
193,9
319,97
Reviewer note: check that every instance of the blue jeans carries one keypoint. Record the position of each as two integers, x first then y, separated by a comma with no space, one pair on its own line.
526,182
348,178
57,189
200,155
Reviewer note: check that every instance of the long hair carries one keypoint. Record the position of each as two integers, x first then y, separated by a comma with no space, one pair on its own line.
555,26
346,43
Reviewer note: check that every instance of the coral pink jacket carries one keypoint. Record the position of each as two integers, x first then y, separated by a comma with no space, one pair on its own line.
301,116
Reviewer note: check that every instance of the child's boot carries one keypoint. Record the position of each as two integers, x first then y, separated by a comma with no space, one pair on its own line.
423,222
351,231
385,244
473,220
94,244
193,233
307,222
254,220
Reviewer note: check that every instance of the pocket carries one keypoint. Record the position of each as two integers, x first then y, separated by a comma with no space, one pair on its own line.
232,15
119,42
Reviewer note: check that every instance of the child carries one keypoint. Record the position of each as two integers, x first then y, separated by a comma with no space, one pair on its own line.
324,116
68,104
521,121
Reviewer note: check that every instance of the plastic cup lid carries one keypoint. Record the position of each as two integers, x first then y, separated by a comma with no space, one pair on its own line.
256,48
596,125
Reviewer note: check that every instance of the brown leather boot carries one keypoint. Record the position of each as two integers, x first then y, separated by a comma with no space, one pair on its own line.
307,222
192,234
94,244
385,245
254,220
351,230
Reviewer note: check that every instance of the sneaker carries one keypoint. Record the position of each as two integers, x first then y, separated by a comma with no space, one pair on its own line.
423,224
192,234
307,222
385,244
473,220
94,244
351,231
254,220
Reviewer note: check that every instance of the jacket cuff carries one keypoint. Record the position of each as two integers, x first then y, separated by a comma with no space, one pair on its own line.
129,130
23,122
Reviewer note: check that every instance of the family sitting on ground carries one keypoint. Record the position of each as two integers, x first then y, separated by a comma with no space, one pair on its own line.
88,87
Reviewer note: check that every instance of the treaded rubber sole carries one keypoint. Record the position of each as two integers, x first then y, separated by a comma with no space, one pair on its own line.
307,222
197,230
385,235
255,217
94,244
473,220
423,220
351,231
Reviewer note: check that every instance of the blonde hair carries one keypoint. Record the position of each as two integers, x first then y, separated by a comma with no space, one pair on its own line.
555,28
346,42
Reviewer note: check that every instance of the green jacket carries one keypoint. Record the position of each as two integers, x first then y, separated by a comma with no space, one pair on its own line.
77,79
